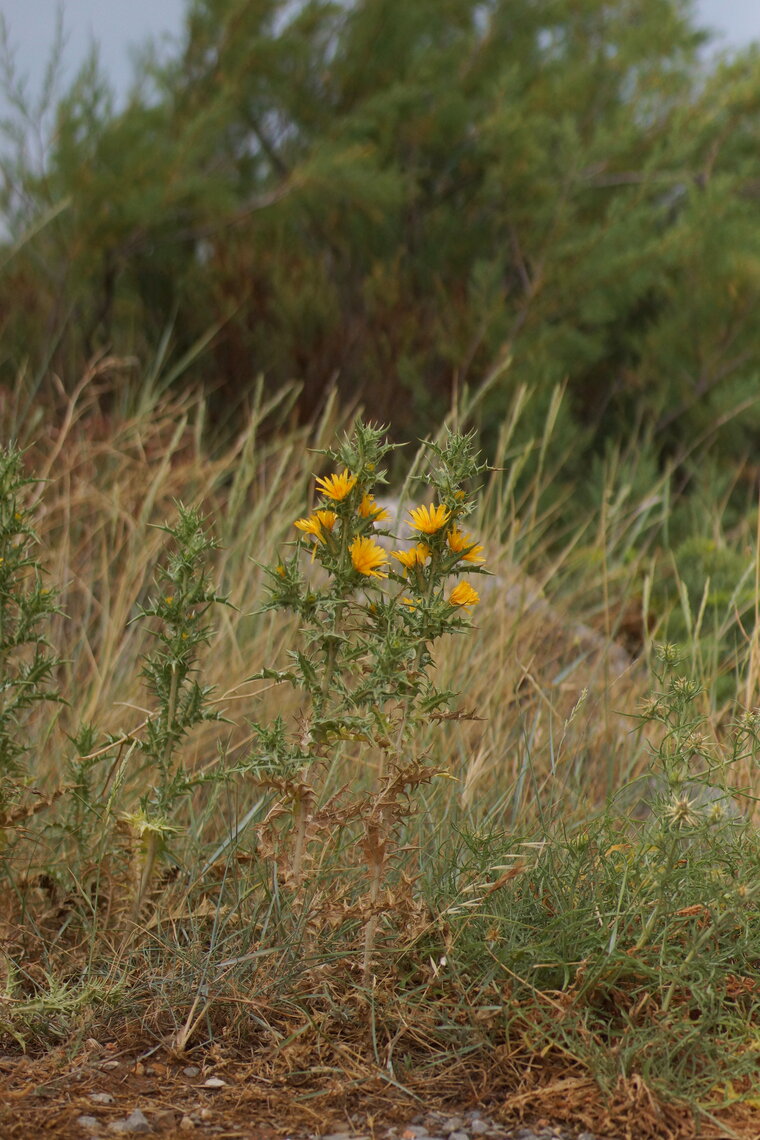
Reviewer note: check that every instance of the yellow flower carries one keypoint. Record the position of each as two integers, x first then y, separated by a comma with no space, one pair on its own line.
280,569
414,557
464,595
366,556
317,524
429,519
337,486
368,509
458,541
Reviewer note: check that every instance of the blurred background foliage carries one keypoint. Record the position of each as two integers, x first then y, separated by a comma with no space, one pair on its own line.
405,199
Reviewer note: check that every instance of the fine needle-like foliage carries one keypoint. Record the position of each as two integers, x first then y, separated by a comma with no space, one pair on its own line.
405,194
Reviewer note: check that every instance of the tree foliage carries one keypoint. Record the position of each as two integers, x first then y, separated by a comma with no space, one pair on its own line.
403,196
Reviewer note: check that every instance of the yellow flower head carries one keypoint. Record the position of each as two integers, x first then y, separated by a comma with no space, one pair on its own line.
464,595
317,524
368,509
429,519
414,557
366,556
337,487
459,542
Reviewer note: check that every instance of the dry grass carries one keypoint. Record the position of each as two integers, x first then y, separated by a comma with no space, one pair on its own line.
110,483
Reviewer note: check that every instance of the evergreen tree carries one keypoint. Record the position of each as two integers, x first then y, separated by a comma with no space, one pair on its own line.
403,195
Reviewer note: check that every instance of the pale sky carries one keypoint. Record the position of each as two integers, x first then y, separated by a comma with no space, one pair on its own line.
118,24
737,20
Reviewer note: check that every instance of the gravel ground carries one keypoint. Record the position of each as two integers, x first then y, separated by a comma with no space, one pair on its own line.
103,1093
470,1125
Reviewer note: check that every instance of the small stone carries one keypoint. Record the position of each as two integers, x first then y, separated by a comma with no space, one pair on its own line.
414,1131
110,1065
191,1071
135,1123
337,1136
186,1124
214,1083
101,1098
479,1127
587,1136
458,1135
206,1114
453,1124
89,1122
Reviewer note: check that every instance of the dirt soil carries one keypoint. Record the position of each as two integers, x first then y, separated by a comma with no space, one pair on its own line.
221,1095
47,1096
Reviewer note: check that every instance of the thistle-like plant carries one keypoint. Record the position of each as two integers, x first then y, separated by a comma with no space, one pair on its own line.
179,609
369,619
27,663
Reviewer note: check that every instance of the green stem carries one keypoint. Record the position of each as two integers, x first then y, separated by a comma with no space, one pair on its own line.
170,712
301,814
151,845
657,911
376,844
